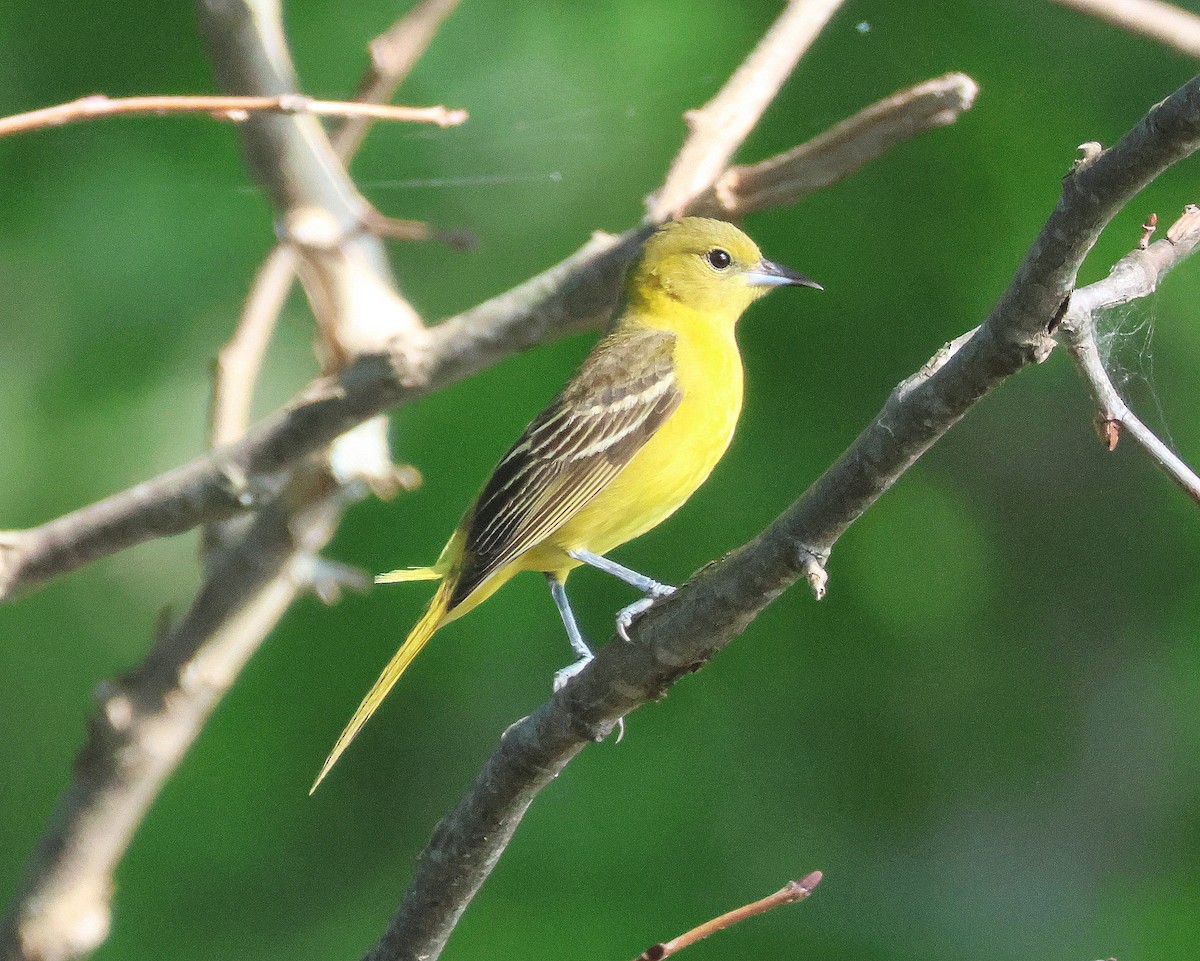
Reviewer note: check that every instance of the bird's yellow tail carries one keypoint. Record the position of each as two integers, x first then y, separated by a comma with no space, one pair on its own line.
431,620
409,574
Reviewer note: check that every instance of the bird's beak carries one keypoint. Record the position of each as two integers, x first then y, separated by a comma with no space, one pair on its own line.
770,274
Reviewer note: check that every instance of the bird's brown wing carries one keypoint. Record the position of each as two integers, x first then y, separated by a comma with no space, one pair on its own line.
622,394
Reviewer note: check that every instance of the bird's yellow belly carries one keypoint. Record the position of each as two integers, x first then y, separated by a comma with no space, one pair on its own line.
659,478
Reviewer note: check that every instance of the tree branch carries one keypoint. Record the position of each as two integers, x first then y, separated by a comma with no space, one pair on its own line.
1136,275
790,893
240,360
1163,22
787,178
145,722
577,294
393,54
230,108
1096,188
719,127
682,633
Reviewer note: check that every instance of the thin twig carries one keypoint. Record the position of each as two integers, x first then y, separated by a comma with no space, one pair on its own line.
790,893
719,127
235,374
1164,22
787,178
239,361
1136,275
680,634
229,108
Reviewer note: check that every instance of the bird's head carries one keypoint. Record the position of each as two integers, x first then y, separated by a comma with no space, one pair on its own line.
708,266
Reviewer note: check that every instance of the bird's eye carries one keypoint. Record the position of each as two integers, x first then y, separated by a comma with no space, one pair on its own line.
719,258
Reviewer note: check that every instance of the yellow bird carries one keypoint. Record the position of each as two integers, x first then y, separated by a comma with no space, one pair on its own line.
637,430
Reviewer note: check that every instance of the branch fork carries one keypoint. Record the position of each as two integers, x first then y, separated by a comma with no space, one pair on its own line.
1136,275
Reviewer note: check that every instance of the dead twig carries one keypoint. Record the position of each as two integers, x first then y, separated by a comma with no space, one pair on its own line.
787,178
393,54
790,893
240,360
228,108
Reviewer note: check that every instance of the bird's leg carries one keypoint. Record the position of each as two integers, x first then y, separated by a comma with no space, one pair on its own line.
558,591
643,583
648,586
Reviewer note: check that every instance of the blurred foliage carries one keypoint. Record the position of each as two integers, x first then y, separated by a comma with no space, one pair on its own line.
986,735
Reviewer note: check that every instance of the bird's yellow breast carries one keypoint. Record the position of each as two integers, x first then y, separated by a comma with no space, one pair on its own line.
672,464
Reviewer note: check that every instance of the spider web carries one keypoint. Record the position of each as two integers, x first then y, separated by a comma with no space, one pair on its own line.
1124,338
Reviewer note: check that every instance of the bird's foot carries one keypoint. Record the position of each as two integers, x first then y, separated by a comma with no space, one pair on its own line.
565,674
561,677
626,615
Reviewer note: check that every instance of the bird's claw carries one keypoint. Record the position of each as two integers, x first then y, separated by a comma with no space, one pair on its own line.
565,674
626,615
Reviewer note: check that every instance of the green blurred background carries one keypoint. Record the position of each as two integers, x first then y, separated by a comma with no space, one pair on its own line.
987,735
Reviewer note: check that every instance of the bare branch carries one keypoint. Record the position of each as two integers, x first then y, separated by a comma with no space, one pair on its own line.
344,271
145,722
235,374
1136,275
790,893
787,178
1097,187
393,55
1163,22
239,361
721,125
228,108
681,633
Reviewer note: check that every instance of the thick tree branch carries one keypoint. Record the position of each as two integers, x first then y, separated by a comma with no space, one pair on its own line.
1136,275
682,633
1164,22
577,294
145,722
